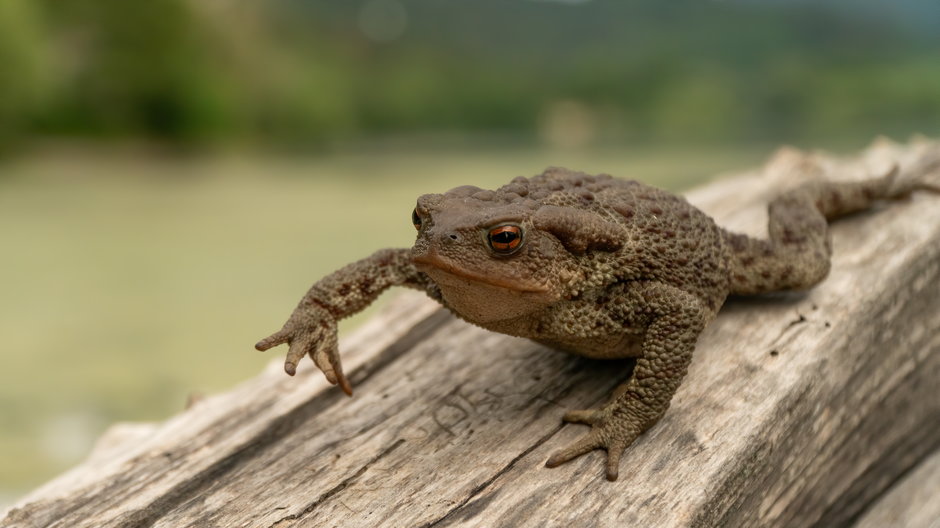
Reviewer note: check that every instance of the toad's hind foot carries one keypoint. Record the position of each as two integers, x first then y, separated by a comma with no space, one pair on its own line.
607,433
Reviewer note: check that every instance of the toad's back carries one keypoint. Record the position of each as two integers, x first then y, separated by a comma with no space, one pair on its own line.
665,238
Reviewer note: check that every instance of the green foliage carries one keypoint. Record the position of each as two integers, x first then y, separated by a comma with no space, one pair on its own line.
303,71
135,68
22,58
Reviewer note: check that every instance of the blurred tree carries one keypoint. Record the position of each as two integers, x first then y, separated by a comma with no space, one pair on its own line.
136,68
23,62
309,72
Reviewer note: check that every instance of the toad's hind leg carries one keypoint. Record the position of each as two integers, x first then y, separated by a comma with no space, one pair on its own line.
796,256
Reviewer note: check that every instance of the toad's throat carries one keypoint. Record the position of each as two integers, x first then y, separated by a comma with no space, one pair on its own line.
436,262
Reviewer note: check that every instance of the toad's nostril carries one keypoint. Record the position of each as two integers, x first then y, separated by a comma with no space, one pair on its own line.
453,236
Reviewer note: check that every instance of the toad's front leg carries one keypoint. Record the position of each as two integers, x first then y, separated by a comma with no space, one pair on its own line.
675,320
311,329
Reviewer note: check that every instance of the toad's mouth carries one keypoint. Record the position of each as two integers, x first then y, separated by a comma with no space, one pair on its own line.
435,262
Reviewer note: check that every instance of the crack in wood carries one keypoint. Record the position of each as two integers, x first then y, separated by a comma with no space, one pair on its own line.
485,484
777,342
339,487
798,320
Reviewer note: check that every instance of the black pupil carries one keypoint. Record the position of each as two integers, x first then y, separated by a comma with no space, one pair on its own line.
415,219
504,237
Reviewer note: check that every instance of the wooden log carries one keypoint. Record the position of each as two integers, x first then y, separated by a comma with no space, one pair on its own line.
798,409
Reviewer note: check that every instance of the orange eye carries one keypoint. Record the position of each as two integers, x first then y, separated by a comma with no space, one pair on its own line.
505,239
415,219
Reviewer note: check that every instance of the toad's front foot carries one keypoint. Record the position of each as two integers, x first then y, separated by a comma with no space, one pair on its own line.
609,431
311,330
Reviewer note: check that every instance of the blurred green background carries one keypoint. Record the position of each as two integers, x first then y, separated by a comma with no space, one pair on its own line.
175,173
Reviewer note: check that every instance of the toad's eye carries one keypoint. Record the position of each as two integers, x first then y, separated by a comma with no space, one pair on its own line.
415,219
505,239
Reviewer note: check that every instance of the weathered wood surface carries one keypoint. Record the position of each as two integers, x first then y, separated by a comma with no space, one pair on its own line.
798,410
913,502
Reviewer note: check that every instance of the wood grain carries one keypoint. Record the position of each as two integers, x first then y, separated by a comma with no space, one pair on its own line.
912,502
798,410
